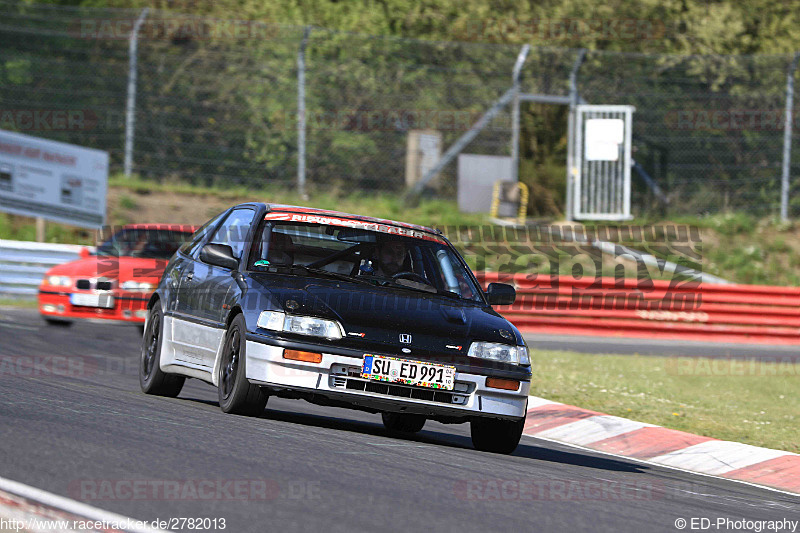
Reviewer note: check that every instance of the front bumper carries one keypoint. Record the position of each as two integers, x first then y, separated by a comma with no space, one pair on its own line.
337,378
129,307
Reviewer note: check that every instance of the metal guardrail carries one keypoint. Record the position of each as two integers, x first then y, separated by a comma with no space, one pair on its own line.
695,310
23,265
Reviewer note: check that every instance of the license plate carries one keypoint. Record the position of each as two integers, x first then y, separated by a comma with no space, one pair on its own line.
105,301
419,373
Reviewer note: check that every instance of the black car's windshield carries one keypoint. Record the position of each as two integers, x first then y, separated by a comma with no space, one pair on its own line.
408,259
150,243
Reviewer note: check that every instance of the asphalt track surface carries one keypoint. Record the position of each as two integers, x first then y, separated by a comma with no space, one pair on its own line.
76,431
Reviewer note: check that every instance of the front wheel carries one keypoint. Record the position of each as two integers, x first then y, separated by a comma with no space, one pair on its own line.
151,378
403,422
496,436
236,394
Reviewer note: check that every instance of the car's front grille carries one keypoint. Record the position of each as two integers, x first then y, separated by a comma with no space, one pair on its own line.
399,391
87,284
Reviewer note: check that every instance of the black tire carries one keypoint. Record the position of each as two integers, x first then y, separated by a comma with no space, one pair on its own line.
496,436
236,394
60,322
403,422
151,378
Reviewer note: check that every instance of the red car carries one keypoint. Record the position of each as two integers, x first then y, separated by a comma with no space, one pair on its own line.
115,282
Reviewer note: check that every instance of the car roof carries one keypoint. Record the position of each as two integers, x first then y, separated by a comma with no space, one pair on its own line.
281,208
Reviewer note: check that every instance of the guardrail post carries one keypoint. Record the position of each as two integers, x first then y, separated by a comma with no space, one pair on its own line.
573,101
787,139
523,55
40,229
130,104
301,114
507,97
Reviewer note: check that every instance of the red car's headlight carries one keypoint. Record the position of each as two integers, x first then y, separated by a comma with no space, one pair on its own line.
58,281
136,286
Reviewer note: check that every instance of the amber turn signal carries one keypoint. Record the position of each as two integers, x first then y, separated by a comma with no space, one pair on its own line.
506,384
308,357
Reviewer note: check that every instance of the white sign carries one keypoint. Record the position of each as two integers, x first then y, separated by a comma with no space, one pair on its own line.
430,147
603,137
54,180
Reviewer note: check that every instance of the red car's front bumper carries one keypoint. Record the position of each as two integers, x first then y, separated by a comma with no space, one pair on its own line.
128,306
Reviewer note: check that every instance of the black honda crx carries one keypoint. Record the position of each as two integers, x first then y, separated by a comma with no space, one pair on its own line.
340,310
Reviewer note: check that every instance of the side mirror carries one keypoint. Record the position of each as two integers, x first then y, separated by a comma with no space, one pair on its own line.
84,253
501,294
220,255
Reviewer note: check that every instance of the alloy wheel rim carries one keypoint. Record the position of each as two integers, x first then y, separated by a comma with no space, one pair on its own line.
153,335
231,364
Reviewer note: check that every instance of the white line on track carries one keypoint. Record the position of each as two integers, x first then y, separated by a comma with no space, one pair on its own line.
70,506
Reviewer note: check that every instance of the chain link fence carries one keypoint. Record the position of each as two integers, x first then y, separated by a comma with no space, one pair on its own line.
217,103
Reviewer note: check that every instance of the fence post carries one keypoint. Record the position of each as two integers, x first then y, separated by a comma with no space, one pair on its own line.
130,105
573,101
301,115
523,55
787,139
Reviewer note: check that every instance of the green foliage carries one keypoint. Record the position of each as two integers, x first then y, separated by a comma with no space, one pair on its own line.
126,202
675,26
18,228
18,71
730,223
218,110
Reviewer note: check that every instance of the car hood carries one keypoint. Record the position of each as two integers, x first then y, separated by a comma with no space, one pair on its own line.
374,318
112,267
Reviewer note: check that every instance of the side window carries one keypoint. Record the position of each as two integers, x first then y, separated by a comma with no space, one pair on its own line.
191,246
233,230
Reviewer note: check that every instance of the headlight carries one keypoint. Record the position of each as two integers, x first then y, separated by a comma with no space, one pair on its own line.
136,286
524,358
59,281
302,325
505,353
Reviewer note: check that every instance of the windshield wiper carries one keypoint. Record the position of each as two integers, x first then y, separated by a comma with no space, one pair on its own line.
327,273
432,290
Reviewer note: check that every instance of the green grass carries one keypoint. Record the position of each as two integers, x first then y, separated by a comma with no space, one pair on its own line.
126,202
429,212
18,228
751,402
21,303
740,248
